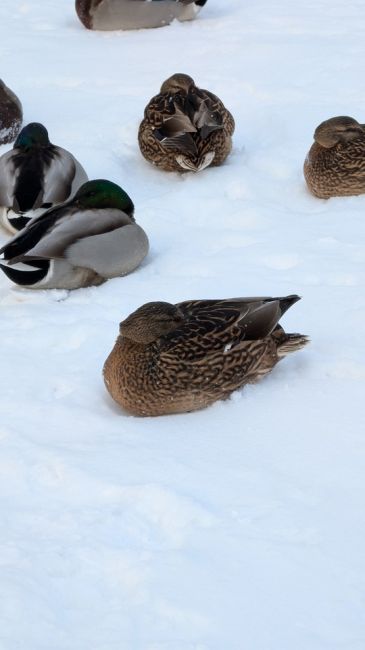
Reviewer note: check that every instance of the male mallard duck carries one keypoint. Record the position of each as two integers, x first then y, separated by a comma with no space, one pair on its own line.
80,243
335,164
176,358
185,128
135,14
34,176
11,114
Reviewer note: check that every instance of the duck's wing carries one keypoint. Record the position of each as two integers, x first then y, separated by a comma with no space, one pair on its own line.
175,129
8,177
37,228
29,181
222,325
124,14
112,253
211,114
62,177
51,234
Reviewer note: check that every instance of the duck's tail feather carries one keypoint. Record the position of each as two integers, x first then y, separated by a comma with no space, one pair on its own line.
291,343
26,274
287,302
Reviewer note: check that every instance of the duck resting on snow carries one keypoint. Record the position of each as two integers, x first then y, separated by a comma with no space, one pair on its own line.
80,243
335,164
175,358
34,176
135,14
11,114
185,128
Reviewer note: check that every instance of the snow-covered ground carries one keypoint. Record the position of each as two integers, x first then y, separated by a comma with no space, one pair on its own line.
240,527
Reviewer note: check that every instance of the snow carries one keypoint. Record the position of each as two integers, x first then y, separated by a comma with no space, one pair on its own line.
240,527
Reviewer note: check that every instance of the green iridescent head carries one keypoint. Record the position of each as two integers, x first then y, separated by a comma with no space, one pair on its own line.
33,135
104,194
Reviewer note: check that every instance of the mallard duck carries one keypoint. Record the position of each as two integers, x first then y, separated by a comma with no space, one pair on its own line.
185,128
175,358
34,176
11,114
335,164
135,14
80,243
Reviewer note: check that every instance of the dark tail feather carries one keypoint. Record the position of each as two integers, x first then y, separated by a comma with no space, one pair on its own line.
287,302
26,278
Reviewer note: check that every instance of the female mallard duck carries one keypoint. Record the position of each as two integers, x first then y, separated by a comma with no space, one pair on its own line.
80,243
34,176
176,358
185,128
135,14
11,114
335,164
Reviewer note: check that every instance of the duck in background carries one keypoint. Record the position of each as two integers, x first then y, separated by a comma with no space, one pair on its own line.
185,128
335,164
176,358
11,114
108,15
80,243
34,176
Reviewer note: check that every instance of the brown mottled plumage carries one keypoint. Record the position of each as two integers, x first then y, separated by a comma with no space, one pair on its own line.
175,358
185,128
335,164
11,114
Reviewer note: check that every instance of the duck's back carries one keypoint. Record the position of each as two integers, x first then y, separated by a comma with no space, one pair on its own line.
29,179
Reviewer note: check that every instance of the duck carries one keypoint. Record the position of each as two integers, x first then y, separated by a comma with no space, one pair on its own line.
175,358
11,114
335,164
79,243
34,176
185,128
109,15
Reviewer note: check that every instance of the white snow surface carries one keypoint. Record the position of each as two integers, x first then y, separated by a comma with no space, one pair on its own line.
240,527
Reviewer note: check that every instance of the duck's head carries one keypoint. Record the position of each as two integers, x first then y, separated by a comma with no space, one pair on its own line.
151,321
103,194
178,83
337,129
31,136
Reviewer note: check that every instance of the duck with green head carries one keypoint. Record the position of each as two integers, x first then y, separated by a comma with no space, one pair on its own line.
135,14
11,114
80,243
34,176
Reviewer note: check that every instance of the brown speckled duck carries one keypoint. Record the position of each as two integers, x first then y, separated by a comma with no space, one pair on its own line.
11,114
134,14
185,128
176,358
335,164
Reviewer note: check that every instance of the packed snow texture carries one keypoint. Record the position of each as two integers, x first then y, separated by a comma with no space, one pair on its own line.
240,527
